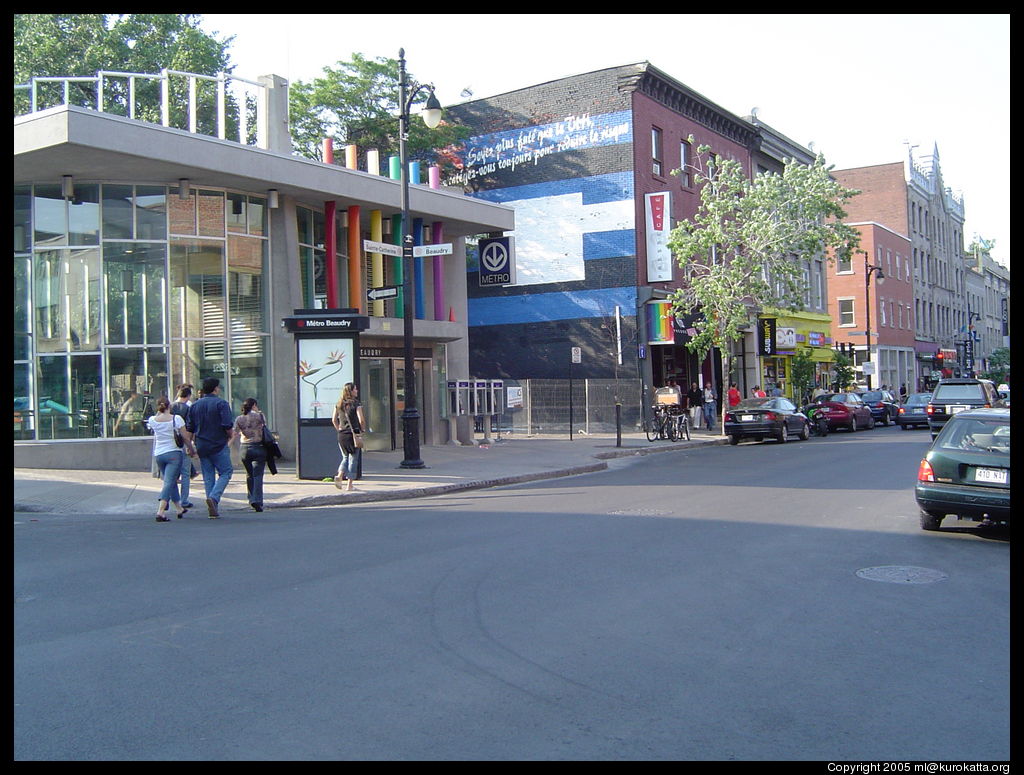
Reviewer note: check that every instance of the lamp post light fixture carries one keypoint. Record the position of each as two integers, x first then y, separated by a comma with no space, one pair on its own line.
431,117
870,269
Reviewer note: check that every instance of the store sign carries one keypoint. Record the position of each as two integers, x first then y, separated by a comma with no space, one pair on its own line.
766,336
785,338
815,339
658,209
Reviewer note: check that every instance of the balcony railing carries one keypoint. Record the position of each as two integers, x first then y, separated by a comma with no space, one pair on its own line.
215,105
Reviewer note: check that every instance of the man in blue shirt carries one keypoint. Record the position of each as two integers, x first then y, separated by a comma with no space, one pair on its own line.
211,423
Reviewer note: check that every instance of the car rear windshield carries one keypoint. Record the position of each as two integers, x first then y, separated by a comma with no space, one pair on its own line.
752,403
872,395
958,392
919,398
977,436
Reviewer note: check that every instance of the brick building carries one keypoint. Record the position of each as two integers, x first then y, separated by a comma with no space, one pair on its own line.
587,162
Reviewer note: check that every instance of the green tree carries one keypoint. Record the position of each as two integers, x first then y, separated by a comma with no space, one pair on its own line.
83,44
802,377
356,102
843,371
999,366
743,250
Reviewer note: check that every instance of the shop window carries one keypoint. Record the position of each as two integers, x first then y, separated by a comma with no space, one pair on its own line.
84,215
69,391
137,378
67,300
50,217
197,303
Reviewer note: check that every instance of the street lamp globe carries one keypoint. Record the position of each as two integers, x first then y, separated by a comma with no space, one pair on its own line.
432,112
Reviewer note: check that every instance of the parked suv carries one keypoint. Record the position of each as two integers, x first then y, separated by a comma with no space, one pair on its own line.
958,395
884,406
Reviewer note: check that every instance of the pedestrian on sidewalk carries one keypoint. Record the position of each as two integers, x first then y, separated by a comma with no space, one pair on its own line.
709,407
211,423
249,425
695,401
348,422
734,395
168,456
189,463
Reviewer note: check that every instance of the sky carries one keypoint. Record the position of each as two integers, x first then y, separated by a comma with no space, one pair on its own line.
862,88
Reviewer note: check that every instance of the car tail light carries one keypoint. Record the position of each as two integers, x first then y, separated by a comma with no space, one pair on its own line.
925,472
930,409
772,416
902,410
729,417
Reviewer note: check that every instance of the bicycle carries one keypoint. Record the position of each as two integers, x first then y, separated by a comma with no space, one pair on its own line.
670,422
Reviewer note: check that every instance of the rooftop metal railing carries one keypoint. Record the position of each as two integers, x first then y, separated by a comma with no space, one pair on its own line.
235,104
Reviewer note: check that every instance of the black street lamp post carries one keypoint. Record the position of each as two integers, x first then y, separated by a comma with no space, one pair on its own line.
431,117
869,269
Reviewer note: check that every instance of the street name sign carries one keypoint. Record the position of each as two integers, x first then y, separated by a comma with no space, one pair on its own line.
380,294
441,249
382,247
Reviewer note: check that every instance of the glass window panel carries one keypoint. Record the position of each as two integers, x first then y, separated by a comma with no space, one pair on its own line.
53,407
81,281
135,293
245,284
250,371
182,214
197,290
22,218
22,293
50,321
194,360
86,396
117,212
151,212
138,376
24,412
257,216
50,217
236,213
210,207
304,223
84,215
319,229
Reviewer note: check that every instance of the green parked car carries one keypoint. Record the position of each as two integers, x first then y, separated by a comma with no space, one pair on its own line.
966,471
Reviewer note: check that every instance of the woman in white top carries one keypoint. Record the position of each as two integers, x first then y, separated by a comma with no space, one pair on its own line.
168,455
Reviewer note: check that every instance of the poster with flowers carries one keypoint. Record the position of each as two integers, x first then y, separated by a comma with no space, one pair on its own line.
325,365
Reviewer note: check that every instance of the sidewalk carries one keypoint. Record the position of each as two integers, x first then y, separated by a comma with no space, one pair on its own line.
448,469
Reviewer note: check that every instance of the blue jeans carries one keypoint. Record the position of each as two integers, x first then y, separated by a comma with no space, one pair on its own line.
169,465
185,483
254,458
347,469
709,416
217,472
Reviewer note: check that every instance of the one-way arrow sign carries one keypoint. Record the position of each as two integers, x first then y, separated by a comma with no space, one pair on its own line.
379,294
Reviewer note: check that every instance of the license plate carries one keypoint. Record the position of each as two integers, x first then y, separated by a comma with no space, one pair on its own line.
993,475
746,418
955,409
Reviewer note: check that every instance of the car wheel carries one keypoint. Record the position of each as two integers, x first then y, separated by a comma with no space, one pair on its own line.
930,521
805,431
871,422
734,439
783,436
886,420
853,425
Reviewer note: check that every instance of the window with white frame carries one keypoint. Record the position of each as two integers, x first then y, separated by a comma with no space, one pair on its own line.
846,312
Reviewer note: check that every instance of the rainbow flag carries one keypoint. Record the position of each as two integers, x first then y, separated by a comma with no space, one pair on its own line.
659,323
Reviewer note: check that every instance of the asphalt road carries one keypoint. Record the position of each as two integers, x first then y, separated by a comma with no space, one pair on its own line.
686,606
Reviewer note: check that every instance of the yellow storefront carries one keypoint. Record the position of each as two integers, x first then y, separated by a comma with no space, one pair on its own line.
798,332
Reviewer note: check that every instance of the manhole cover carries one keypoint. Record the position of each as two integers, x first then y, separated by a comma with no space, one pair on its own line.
902,574
640,513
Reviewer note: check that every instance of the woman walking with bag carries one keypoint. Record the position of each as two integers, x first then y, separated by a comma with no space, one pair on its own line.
250,424
348,422
167,430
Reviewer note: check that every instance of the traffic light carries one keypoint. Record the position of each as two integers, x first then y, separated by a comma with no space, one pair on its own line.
938,357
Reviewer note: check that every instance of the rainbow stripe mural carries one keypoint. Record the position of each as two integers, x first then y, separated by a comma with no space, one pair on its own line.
659,322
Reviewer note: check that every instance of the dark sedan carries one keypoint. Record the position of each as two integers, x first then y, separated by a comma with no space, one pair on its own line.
846,410
883,405
914,411
967,470
763,418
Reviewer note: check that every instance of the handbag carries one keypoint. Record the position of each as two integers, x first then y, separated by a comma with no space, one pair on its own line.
357,440
179,440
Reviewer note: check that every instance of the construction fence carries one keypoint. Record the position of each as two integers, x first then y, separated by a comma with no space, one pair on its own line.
542,406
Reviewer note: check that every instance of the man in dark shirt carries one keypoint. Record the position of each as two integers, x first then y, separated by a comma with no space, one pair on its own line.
211,423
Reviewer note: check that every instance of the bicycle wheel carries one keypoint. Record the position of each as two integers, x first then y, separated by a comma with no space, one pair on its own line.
684,427
651,428
670,428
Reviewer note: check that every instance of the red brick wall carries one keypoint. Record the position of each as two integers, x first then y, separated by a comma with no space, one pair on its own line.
884,197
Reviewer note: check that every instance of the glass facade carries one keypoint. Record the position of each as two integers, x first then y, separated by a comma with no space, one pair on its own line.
124,291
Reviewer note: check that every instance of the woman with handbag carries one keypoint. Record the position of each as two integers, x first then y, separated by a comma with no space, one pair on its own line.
249,425
169,435
348,422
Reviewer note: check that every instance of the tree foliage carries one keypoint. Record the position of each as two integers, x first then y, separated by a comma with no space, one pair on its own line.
802,377
357,102
843,372
744,250
999,365
83,44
